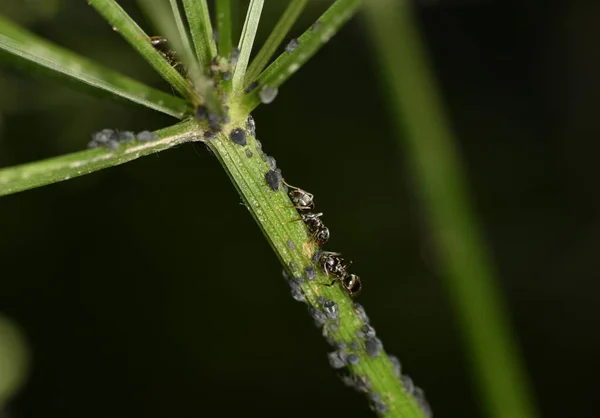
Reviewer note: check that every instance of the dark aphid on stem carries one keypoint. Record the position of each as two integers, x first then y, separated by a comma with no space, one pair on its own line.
336,359
353,359
331,309
292,44
249,153
368,331
145,136
272,162
310,273
377,404
319,317
296,291
397,366
125,136
360,312
252,86
373,347
273,179
408,384
291,245
238,136
419,396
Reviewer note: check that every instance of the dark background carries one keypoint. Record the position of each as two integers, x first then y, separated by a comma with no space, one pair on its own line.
147,290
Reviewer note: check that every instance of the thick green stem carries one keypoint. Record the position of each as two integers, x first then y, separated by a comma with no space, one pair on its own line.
428,141
247,167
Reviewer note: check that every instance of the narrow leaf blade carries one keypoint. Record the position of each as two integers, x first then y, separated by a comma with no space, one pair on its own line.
23,46
54,170
246,42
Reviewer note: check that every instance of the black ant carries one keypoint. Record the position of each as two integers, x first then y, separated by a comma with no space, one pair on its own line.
333,264
161,44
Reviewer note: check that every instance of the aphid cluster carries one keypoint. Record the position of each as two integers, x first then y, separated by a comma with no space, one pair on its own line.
112,139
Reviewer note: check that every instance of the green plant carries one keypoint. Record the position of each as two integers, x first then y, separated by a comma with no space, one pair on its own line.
209,96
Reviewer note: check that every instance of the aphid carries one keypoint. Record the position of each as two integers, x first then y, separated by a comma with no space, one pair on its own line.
355,345
209,135
296,291
214,122
226,75
273,179
335,359
331,309
319,317
267,94
293,266
334,327
316,256
112,144
397,366
235,55
146,136
341,345
360,312
422,401
292,44
290,244
285,274
353,359
299,280
93,144
251,126
251,87
202,113
249,153
373,347
272,162
316,26
215,35
161,44
408,384
310,273
238,136
126,136
377,404
368,331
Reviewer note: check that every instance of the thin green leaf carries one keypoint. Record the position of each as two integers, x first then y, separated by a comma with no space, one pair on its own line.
309,43
428,142
245,44
72,68
140,41
53,170
224,25
198,18
164,20
285,23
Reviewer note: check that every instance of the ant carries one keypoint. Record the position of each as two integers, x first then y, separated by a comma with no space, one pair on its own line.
161,44
331,262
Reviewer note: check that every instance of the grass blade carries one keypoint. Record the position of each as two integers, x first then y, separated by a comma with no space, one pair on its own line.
285,23
245,44
140,41
418,111
23,46
309,43
224,25
201,29
53,170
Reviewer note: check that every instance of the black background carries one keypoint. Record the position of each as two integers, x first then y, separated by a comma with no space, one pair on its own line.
147,290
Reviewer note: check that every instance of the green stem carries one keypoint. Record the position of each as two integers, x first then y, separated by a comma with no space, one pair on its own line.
246,42
274,213
463,254
201,30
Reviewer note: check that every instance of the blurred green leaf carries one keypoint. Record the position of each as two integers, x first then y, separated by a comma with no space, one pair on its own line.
14,360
